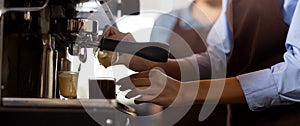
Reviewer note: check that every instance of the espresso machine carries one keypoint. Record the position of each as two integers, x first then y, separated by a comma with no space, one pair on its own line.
35,39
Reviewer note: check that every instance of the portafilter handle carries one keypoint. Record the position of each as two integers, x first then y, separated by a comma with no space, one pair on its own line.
154,51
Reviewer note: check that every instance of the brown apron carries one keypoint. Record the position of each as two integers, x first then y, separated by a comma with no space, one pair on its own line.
259,35
195,39
184,43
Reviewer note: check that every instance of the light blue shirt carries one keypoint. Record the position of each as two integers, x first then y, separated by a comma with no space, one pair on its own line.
278,85
165,23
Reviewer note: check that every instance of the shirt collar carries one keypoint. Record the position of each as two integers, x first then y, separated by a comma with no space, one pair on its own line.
188,21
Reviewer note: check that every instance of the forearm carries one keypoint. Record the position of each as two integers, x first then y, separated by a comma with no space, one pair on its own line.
179,69
232,92
171,68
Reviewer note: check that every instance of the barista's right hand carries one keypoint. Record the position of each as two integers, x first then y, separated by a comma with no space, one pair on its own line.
154,87
111,32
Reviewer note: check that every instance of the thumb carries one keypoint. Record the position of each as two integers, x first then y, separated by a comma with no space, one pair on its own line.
110,30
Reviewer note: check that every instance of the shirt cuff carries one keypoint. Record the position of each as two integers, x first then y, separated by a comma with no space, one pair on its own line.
260,89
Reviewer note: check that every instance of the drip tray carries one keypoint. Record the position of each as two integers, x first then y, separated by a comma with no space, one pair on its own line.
70,103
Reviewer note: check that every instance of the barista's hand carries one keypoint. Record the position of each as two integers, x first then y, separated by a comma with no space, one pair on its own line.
134,63
113,33
152,87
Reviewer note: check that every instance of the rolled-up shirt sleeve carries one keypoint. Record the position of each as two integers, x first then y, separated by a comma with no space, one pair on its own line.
279,85
260,89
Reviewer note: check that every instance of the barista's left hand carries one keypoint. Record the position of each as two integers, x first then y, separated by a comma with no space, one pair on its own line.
111,32
153,87
134,63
